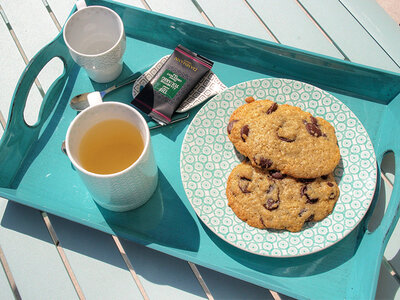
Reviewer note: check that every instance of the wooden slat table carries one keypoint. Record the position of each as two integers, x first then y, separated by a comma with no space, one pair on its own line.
44,256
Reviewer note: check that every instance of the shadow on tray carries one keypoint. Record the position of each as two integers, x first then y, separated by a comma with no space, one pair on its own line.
302,266
307,265
163,220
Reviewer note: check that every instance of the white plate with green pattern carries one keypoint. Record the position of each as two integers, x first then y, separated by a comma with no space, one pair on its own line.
207,158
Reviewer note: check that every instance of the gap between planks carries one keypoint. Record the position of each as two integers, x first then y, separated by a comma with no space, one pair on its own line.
319,27
380,46
64,258
259,19
19,47
130,267
2,121
9,275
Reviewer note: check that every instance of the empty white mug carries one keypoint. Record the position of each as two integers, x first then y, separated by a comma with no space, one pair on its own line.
124,190
96,40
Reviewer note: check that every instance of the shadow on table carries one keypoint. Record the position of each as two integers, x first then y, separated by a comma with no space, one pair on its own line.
156,221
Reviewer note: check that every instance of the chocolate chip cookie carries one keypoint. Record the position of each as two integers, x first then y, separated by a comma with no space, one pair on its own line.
283,137
269,199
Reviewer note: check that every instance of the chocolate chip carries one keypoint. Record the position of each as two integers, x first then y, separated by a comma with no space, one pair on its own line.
330,184
314,120
270,188
244,184
324,177
303,192
263,162
277,175
230,126
271,204
311,200
310,218
313,130
313,127
272,108
332,196
286,139
302,211
244,132
305,180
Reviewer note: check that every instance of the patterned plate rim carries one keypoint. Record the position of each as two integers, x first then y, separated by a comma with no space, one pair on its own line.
266,231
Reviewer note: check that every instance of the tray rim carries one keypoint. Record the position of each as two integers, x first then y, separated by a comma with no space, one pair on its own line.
305,54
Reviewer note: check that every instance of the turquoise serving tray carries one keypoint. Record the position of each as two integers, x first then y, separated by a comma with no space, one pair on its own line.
34,171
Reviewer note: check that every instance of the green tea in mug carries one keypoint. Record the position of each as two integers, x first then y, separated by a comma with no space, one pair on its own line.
110,146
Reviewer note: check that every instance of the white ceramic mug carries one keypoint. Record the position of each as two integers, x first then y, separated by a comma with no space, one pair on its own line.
96,40
126,189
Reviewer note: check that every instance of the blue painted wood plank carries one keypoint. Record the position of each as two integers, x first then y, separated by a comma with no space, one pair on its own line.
218,284
61,9
378,23
234,16
135,3
32,15
348,34
12,66
31,254
179,8
95,261
163,276
293,27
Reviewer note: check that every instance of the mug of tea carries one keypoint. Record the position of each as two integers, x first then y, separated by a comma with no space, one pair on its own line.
96,40
110,147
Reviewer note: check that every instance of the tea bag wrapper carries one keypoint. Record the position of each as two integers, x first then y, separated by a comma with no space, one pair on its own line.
209,86
173,82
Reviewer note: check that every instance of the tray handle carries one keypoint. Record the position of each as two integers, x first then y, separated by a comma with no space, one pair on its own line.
392,213
19,137
373,243
54,49
388,142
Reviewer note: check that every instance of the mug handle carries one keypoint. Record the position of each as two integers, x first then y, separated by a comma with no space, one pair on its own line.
80,4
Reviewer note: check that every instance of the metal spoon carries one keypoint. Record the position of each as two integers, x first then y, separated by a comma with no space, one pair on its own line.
82,101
